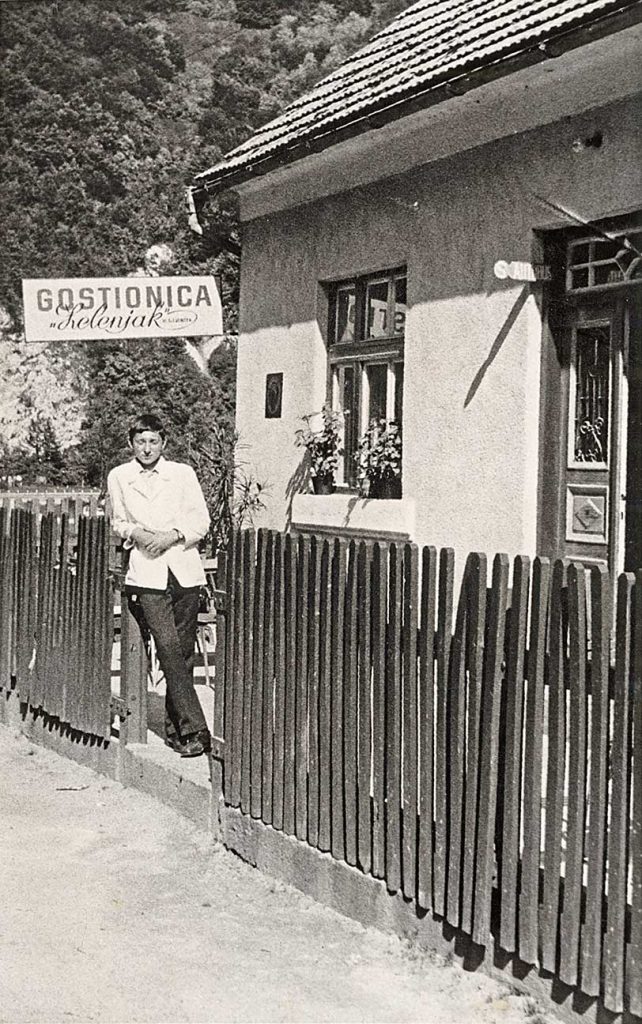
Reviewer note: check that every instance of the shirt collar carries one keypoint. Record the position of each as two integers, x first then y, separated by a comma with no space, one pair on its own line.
159,468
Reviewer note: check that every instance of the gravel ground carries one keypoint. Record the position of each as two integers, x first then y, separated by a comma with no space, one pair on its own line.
116,909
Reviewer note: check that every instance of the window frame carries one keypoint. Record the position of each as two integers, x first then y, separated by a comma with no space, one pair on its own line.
360,353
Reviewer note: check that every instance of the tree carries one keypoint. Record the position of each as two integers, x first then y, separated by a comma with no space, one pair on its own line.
108,108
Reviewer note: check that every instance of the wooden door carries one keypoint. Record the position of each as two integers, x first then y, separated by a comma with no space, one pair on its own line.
599,499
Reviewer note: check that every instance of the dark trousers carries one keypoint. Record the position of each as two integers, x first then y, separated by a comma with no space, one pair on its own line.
170,615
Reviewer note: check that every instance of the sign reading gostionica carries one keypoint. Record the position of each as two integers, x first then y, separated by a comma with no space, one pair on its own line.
102,308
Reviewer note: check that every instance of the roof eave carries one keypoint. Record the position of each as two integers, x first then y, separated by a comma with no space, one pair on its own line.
456,85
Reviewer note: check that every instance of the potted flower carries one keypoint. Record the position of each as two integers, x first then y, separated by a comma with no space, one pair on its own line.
323,447
378,459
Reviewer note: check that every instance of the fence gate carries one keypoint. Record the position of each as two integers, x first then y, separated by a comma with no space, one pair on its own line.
56,616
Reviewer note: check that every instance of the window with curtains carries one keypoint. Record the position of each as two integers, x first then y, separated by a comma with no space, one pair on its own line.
366,352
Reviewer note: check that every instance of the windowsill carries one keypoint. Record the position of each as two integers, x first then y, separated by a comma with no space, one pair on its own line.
352,516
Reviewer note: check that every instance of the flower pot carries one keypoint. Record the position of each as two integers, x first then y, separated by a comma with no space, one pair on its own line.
389,487
323,484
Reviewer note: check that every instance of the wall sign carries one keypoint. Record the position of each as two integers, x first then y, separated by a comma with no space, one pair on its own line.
517,271
104,308
273,396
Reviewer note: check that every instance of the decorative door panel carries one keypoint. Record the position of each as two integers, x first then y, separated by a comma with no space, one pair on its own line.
593,432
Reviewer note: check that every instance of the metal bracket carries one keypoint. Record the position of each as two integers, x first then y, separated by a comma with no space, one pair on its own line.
119,706
218,748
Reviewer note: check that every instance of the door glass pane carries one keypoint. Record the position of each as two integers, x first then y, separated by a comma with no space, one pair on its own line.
346,305
592,393
377,309
378,386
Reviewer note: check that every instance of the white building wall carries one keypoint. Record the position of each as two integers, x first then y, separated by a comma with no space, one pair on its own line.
472,351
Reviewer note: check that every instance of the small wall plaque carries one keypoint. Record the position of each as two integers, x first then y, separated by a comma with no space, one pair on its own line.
273,396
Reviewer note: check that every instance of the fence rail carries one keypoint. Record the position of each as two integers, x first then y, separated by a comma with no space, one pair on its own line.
56,616
475,750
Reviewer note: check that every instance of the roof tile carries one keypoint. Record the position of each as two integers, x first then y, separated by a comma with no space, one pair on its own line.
430,43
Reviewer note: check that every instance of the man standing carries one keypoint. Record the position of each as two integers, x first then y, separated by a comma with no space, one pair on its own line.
159,510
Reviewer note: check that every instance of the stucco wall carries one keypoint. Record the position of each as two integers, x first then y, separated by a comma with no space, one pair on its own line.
472,354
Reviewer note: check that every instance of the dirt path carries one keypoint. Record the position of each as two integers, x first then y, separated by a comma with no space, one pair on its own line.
115,909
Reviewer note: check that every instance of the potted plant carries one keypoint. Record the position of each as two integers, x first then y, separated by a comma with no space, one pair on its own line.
378,459
323,447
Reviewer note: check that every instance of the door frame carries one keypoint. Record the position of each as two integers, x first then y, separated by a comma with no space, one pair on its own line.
561,312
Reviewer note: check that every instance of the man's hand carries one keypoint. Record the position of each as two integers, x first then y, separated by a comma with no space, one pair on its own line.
141,537
157,543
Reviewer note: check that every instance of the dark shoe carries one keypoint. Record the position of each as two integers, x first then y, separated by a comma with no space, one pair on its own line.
194,746
173,742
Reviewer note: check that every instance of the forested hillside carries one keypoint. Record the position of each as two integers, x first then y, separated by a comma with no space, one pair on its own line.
108,109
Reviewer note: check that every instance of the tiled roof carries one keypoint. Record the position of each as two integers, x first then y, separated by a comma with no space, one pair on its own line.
432,43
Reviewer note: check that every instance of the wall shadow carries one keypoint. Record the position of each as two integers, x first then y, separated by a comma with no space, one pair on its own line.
503,333
299,483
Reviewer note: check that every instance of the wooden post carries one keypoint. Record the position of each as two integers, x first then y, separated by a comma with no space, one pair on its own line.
133,676
220,674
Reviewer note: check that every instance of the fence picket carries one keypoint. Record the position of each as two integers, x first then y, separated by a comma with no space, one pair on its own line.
428,603
491,695
89,633
325,698
249,583
313,692
477,586
456,732
15,590
393,720
410,731
256,725
234,795
601,613
279,684
614,939
443,641
379,625
6,564
289,751
231,654
57,703
558,624
533,755
364,625
73,677
301,743
350,708
24,646
512,778
106,628
338,765
267,739
50,684
574,861
36,690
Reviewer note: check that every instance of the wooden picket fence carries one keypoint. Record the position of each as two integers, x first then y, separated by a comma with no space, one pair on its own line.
56,616
476,751
63,501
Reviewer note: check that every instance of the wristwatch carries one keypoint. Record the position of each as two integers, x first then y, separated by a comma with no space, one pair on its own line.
180,539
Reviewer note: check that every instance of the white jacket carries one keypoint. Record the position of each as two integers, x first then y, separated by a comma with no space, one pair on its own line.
169,499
